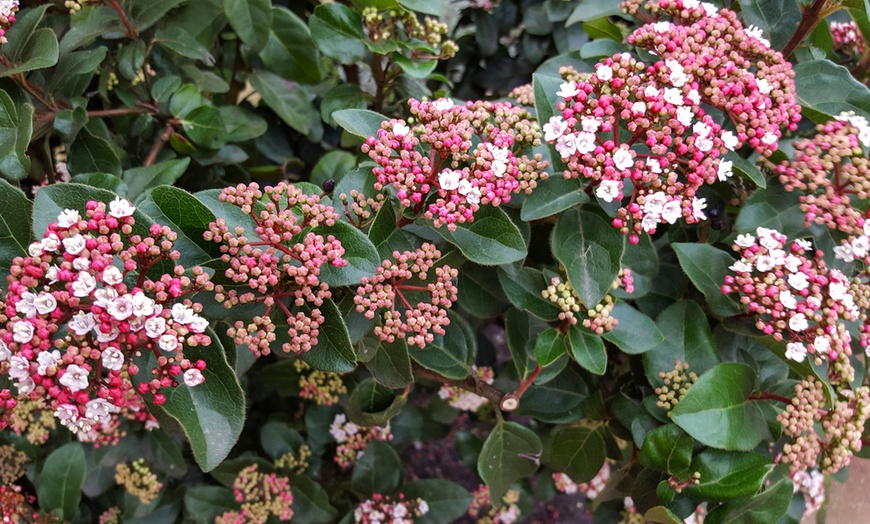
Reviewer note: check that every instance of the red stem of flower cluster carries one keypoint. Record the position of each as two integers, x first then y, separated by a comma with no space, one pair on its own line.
811,17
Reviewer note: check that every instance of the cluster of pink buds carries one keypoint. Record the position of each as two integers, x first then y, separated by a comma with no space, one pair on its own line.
263,497
465,400
847,38
591,489
280,267
381,509
830,170
485,512
352,439
795,297
8,8
387,289
80,306
733,68
435,167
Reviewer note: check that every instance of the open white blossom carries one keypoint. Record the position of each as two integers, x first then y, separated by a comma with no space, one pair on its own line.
604,72
449,179
400,129
554,128
74,244
443,104
22,331
622,159
120,208
568,90
68,218
112,359
75,378
798,322
672,211
608,190
193,377
795,351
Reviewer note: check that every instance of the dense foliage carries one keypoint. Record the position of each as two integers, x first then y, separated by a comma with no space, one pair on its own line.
421,261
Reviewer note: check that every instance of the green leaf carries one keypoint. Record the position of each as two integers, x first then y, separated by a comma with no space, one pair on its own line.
205,127
775,208
359,122
333,351
361,255
727,475
491,240
636,333
29,48
591,9
60,483
553,195
524,291
549,347
205,503
289,101
15,235
778,19
450,355
277,439
717,411
688,339
212,414
391,365
89,23
145,13
75,70
521,333
188,217
68,122
338,32
50,201
373,404
185,100
290,52
311,502
591,251
447,501
16,129
341,97
420,69
510,453
766,507
479,291
242,124
139,179
93,154
825,89
661,515
334,165
747,168
668,448
545,89
578,452
379,470
707,266
249,18
588,350
427,7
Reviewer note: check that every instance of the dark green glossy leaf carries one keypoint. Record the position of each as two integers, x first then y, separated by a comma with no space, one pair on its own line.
521,332
16,129
707,266
93,154
825,89
777,19
60,483
341,96
242,124
510,453
774,208
768,506
391,365
727,475
688,339
450,355
360,253
188,217
290,51
579,452
524,292
668,448
140,179
145,13
359,122
747,168
553,195
278,439
205,503
592,9
338,32
491,240
28,48
311,502
333,351
379,470
373,404
249,18
549,346
447,501
289,101
635,333
15,234
587,349
205,127
50,201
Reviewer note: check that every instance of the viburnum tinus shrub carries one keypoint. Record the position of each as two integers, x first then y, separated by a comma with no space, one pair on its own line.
401,261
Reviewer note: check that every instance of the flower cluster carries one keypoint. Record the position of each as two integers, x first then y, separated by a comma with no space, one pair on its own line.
12,464
847,38
675,385
466,400
812,484
598,317
485,512
31,418
830,170
262,496
591,489
138,480
321,387
795,297
406,317
352,439
8,8
733,68
435,167
386,25
15,506
841,426
294,462
281,267
89,276
360,209
383,509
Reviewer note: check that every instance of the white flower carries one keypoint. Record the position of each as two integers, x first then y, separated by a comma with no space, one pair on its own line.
422,507
691,4
698,207
34,249
649,222
654,165
838,290
75,378
684,115
764,263
25,386
608,190
584,142
74,244
795,351
822,344
4,352
400,129
724,171
113,359
764,86
22,331
757,33
701,129
672,211
155,326
710,9
768,237
554,128
638,108
673,96
26,305
19,367
50,243
142,305
804,244
604,72
473,196
336,428
108,337
81,264
100,410
844,253
662,27
66,412
694,97
622,159
798,322
82,323
120,208
654,203
443,104
566,145
83,285
787,299
47,361
590,124
198,324
112,276
678,76
729,139
651,91
193,377
45,303
792,263
68,218
799,281
182,314
867,227
121,308
168,342
745,240
860,246
741,266
769,138
568,90
704,143
449,179
498,167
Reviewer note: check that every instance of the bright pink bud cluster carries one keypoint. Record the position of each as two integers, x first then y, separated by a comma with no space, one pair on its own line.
436,168
409,275
847,38
8,8
281,267
734,67
80,307
383,509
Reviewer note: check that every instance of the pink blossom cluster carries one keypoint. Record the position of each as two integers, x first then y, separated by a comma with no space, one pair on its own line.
733,68
466,400
456,157
8,8
280,266
591,488
382,509
394,288
262,496
484,511
847,38
795,297
353,439
80,307
830,171
812,484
